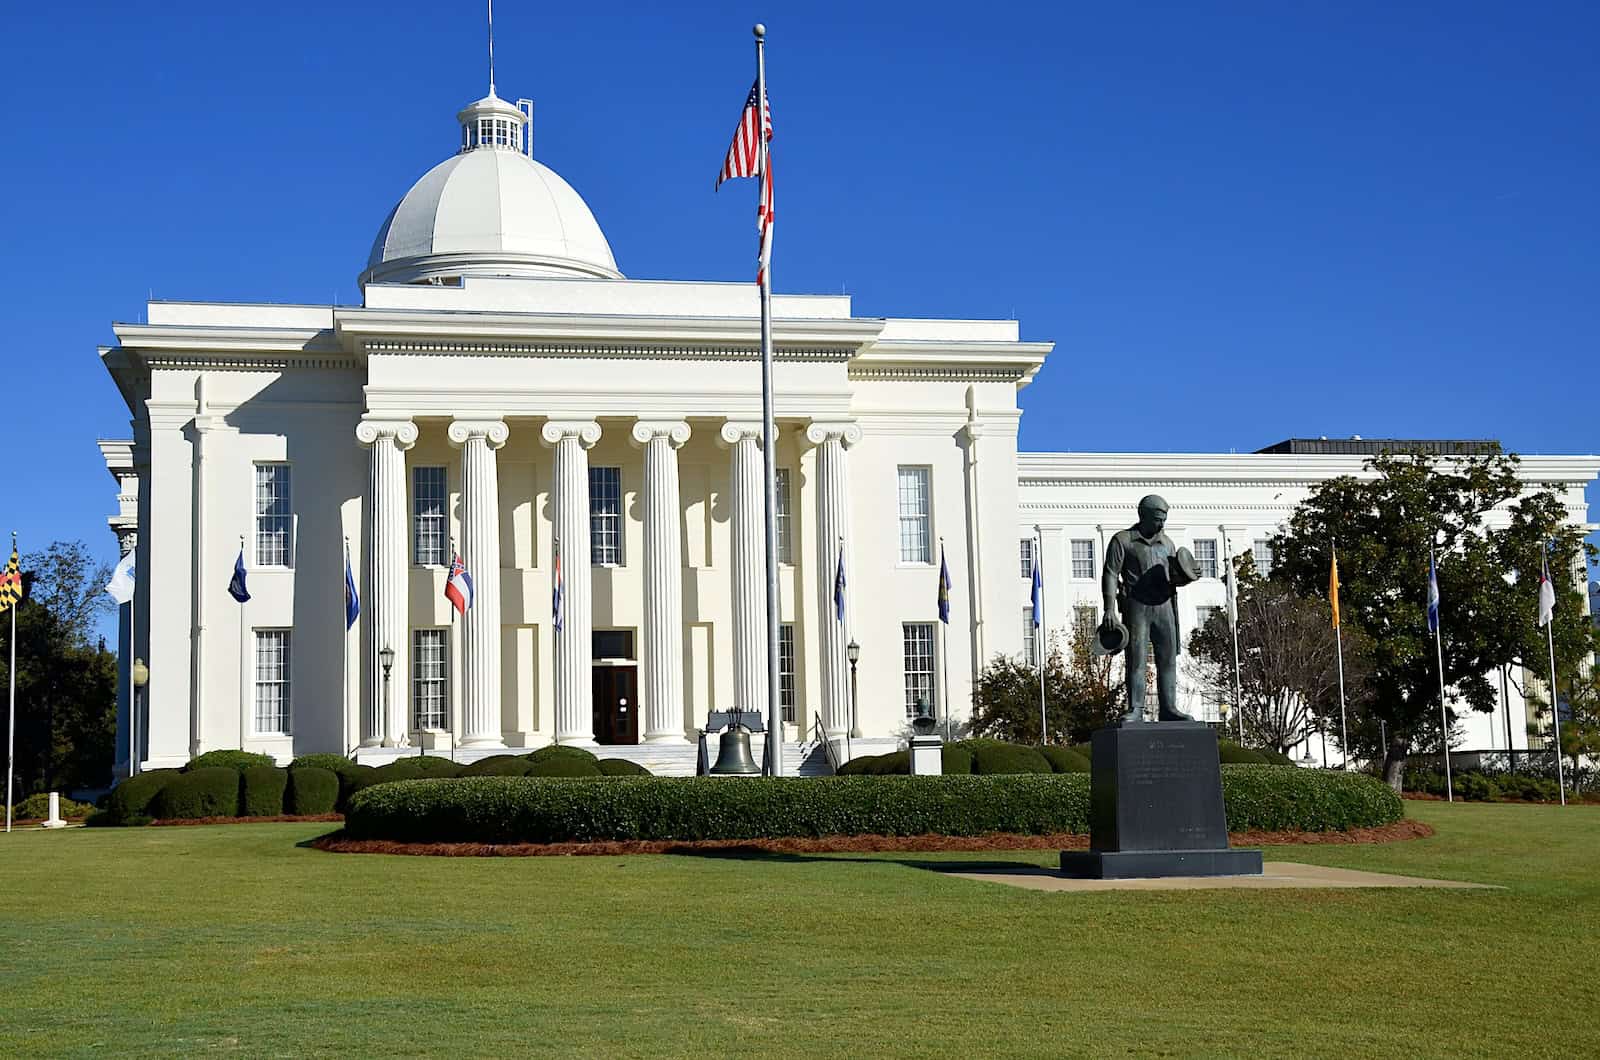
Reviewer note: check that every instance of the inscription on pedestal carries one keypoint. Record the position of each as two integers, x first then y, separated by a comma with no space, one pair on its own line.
1157,787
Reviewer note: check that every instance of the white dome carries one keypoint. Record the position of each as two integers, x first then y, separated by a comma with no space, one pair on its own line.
489,212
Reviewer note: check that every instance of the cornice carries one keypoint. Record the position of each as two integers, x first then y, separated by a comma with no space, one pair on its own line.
210,340
609,351
527,332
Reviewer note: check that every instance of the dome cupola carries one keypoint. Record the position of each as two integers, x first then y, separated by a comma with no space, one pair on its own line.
490,210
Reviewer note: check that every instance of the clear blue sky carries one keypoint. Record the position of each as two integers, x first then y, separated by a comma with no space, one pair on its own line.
1337,219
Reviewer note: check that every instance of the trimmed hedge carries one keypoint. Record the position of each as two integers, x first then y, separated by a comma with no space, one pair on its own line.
540,810
434,766
560,750
564,766
953,761
352,779
997,756
1233,754
621,767
238,761
498,766
1065,759
262,790
322,760
210,791
132,798
312,791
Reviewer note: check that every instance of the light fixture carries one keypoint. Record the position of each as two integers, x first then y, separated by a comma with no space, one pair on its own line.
386,658
852,651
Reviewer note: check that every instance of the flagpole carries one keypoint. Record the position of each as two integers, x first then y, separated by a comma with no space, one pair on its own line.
344,659
244,725
774,757
1338,640
1555,698
1042,637
11,710
1444,716
1233,627
944,640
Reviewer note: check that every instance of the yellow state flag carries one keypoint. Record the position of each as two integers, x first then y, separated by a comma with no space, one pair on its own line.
10,584
1333,588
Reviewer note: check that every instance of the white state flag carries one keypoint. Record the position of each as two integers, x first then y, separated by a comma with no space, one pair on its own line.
1547,597
121,584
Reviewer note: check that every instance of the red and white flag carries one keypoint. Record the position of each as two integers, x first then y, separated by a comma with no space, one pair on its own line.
750,156
458,586
1547,596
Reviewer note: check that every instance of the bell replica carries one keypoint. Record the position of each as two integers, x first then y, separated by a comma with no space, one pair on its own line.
733,753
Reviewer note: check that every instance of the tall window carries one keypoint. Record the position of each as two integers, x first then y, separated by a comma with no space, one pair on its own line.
1085,617
1026,554
1030,639
1261,552
430,689
274,523
1083,558
919,666
916,542
605,516
786,671
781,517
272,682
427,517
1205,556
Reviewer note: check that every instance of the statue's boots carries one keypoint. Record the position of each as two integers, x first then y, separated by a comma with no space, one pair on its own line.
1133,717
1175,715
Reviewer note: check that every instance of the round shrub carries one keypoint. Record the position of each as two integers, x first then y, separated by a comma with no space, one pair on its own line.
210,791
560,750
621,767
895,763
352,779
263,788
322,760
434,766
36,807
1064,759
1233,754
1274,758
563,766
955,761
541,810
997,756
500,766
399,769
132,798
238,761
312,791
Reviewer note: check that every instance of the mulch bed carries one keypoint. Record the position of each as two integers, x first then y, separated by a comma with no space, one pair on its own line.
338,843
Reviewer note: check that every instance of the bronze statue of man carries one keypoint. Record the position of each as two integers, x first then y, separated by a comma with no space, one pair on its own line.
1140,582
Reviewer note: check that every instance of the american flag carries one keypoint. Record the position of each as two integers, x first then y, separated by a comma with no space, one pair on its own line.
748,158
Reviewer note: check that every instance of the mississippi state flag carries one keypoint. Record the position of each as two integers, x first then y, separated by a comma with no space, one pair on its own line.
458,587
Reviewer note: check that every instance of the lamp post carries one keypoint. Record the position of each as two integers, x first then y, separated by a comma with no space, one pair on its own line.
386,660
141,677
852,652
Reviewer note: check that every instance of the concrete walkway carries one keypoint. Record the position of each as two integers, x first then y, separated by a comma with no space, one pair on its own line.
1276,874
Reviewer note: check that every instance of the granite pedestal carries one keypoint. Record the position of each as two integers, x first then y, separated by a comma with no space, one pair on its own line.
1155,807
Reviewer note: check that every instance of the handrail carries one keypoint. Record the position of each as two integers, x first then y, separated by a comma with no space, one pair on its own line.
827,744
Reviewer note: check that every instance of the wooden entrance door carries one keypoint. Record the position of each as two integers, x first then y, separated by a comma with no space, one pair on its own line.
616,704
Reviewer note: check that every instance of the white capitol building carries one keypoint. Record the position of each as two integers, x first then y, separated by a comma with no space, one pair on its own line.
502,387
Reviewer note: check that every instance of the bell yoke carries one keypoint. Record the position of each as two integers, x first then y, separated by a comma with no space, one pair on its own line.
1140,582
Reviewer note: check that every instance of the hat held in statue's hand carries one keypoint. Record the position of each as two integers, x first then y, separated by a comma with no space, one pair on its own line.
1183,568
1110,638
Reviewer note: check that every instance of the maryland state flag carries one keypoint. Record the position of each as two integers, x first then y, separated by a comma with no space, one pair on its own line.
1333,588
12,589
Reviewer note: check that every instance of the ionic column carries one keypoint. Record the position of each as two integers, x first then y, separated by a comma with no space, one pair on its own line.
572,440
747,575
833,537
663,580
384,609
480,552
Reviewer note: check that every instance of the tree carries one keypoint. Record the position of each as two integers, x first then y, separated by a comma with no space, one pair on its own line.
66,684
1580,724
1384,524
1082,694
1288,662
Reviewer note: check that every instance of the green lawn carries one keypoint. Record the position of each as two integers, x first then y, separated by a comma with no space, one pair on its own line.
159,941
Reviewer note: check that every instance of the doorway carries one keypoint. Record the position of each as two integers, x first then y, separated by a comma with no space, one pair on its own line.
615,686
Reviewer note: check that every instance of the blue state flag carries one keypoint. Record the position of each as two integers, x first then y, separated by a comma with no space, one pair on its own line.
352,599
1038,595
838,586
236,586
944,588
1433,596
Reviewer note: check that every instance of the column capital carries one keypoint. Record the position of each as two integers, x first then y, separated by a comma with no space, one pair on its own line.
402,432
845,432
732,431
586,431
676,432
493,432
